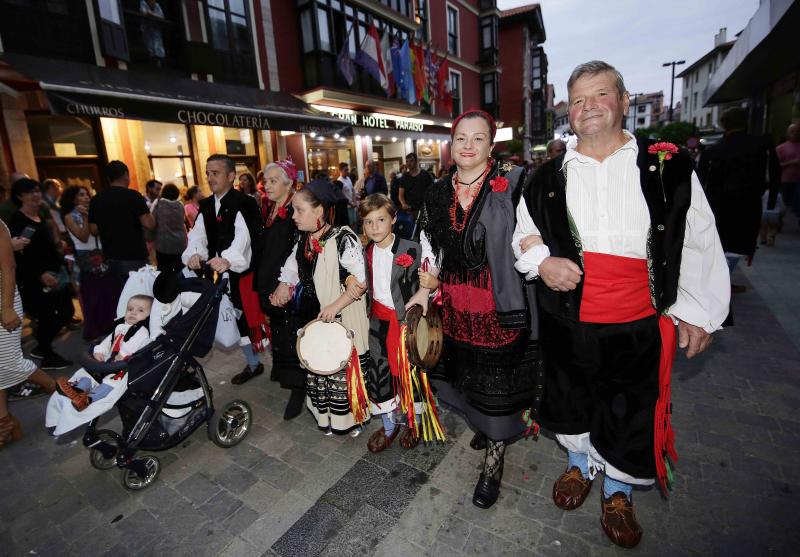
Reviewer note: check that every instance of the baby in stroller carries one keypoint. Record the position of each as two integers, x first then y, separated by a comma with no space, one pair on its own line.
129,336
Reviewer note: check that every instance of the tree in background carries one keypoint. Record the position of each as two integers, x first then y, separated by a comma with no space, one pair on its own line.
674,132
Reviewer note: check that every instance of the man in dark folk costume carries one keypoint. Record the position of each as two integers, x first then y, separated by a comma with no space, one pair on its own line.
223,234
630,250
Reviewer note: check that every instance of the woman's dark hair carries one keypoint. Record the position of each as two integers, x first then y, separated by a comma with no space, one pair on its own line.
251,187
21,186
191,192
68,199
171,192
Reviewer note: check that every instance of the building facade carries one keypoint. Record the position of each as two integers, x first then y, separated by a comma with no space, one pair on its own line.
163,87
523,85
695,80
645,111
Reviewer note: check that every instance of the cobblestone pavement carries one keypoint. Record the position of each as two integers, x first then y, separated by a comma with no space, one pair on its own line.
289,490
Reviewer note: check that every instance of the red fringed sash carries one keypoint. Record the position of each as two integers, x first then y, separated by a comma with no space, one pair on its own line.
257,324
616,290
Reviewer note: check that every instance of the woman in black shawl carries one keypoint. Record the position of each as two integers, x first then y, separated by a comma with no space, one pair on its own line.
489,365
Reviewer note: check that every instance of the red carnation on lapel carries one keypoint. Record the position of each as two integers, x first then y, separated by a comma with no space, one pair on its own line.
219,218
663,149
499,184
404,260
282,212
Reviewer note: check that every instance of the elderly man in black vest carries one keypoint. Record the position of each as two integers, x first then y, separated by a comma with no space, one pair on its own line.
223,235
620,233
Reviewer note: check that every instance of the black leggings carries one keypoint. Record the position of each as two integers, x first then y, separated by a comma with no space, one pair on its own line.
53,310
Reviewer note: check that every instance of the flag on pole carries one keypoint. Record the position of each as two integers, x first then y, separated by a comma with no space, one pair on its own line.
419,70
408,92
344,61
443,83
397,68
386,52
369,57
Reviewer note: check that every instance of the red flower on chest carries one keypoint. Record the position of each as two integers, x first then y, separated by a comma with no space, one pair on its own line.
219,218
316,246
499,184
282,212
404,260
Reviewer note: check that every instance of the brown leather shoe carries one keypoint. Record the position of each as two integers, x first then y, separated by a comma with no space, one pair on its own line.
407,439
619,521
10,430
571,489
81,401
67,389
378,441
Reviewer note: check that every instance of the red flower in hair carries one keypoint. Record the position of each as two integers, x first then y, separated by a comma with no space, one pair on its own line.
499,183
282,212
404,260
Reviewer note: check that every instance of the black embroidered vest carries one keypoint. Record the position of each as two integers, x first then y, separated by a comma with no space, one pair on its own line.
221,228
667,203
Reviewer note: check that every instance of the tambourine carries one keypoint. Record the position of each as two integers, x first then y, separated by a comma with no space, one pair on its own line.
424,336
324,348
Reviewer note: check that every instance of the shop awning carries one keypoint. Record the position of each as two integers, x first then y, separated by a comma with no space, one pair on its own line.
86,90
765,52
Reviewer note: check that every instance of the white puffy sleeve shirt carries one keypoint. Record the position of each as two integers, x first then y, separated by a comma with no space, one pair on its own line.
238,254
606,203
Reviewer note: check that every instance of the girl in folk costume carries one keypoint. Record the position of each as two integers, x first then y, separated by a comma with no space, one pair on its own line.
393,384
276,243
489,365
321,279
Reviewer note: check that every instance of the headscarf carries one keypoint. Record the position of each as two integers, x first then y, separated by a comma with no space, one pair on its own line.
473,113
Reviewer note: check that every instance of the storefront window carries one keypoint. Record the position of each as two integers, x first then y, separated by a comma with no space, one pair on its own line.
61,136
325,153
167,147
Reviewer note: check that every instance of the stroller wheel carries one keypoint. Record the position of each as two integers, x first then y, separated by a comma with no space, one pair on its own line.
230,424
132,481
96,456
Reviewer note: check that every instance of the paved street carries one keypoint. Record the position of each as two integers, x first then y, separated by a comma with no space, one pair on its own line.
288,490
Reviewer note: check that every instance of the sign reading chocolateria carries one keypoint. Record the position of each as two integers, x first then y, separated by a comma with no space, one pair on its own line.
167,110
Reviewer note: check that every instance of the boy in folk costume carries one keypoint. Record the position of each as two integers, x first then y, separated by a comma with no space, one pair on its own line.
393,276
223,234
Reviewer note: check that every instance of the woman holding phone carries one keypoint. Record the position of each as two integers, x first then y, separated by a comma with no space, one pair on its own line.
43,281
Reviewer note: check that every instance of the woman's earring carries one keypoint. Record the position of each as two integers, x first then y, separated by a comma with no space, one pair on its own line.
319,224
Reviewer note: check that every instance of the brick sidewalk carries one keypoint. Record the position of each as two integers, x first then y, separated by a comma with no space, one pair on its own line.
289,490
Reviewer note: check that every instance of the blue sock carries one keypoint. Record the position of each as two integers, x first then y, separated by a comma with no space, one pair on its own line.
612,486
388,424
251,356
581,460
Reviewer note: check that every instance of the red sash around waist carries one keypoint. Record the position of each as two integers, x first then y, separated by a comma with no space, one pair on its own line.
616,290
380,311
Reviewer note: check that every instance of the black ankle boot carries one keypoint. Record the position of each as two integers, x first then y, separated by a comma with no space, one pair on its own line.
295,405
488,488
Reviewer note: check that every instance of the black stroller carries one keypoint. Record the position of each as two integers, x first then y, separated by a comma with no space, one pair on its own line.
165,366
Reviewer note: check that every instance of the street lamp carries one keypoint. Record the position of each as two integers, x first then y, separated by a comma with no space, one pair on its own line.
672,84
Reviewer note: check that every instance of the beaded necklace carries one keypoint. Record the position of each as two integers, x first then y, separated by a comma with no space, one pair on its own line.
459,224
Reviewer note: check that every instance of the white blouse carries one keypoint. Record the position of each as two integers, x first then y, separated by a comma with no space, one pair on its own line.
608,208
382,261
351,258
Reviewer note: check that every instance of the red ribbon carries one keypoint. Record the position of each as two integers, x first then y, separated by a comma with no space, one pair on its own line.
257,324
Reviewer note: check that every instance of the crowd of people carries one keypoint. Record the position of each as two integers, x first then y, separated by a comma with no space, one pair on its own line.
563,292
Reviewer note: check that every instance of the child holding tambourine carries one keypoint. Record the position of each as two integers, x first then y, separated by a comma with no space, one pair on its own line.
394,385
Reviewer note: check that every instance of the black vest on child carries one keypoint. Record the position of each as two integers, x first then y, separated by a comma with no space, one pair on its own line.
221,228
667,202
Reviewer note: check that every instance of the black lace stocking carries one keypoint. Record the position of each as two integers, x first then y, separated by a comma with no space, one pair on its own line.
493,463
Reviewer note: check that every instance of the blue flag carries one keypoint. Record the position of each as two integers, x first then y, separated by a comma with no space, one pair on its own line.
408,92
